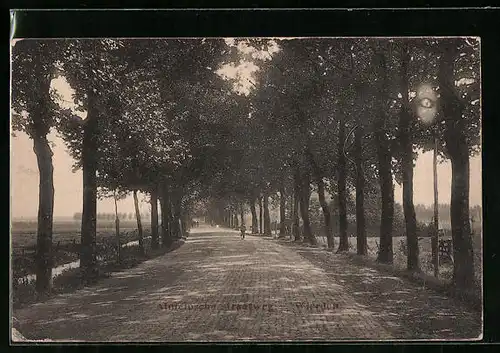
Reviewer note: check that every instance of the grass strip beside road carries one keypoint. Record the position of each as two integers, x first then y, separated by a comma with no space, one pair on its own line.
70,280
472,298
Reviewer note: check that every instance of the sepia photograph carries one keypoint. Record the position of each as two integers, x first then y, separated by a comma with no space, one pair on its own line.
260,189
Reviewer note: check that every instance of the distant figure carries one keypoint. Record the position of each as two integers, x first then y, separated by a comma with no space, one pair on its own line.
243,230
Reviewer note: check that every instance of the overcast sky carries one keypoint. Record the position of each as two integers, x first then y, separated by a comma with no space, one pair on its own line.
68,185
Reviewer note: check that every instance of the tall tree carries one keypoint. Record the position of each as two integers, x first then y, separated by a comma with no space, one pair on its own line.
384,162
457,146
342,188
322,200
88,258
108,189
261,217
139,222
154,218
406,145
35,113
242,214
295,210
165,208
255,223
177,213
282,211
267,218
452,115
305,195
90,67
361,241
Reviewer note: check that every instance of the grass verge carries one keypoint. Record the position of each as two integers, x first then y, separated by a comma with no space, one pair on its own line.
472,297
24,294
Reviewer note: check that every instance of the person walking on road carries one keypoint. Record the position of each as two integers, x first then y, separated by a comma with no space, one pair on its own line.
243,230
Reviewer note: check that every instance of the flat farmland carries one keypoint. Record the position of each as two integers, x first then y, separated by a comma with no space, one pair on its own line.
23,233
66,242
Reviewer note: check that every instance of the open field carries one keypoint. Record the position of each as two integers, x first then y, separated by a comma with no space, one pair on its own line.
69,279
66,242
66,246
23,234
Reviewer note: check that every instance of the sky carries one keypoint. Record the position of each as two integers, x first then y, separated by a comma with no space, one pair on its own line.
68,184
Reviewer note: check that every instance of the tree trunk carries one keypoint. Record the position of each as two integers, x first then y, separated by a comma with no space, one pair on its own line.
163,216
305,194
186,224
154,219
139,223
322,200
165,222
295,210
261,219
361,241
236,221
463,271
407,166
326,214
435,233
181,226
117,230
385,171
242,215
44,260
387,197
456,145
282,212
222,215
267,218
255,224
171,218
176,216
344,240
88,259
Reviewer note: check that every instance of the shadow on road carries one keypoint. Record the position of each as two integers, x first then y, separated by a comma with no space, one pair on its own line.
401,305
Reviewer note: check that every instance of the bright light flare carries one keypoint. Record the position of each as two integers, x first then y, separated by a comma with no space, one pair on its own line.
426,104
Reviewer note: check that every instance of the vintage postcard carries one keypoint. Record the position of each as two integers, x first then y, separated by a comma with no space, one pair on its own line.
246,189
